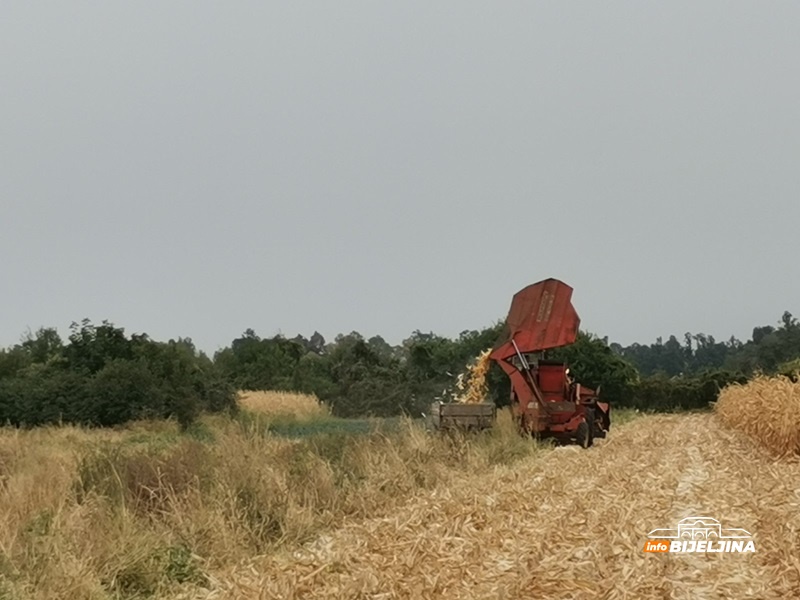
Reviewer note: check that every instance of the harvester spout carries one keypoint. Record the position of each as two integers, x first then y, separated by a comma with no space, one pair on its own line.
541,317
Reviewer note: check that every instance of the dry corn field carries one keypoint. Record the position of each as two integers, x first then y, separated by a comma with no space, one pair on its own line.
768,409
235,512
282,403
570,524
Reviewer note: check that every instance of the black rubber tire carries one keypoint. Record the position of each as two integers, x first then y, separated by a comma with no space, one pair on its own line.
590,418
583,435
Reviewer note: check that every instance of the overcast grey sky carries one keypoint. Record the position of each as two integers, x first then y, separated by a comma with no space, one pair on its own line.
198,168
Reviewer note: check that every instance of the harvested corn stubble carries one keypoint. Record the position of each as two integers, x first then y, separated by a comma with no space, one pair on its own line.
568,524
767,409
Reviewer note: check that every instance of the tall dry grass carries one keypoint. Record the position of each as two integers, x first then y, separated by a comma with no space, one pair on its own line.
767,409
148,511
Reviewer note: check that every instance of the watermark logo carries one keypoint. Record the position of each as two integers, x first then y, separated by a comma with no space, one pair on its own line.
699,534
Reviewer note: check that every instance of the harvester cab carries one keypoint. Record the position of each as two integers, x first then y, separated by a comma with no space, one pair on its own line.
545,400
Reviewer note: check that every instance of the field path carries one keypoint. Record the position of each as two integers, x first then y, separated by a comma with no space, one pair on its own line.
569,524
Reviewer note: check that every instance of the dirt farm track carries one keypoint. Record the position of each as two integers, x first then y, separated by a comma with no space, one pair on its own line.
570,524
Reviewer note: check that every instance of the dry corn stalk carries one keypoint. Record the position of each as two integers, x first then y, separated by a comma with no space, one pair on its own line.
471,385
767,409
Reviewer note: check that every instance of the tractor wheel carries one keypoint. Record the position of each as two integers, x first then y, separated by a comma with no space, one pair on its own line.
593,428
583,435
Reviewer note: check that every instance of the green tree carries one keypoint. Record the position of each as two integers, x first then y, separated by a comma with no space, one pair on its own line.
92,346
594,364
44,346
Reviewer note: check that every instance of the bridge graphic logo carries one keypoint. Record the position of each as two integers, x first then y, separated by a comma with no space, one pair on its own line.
699,534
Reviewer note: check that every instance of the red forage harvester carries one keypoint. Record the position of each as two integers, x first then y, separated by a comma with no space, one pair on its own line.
545,400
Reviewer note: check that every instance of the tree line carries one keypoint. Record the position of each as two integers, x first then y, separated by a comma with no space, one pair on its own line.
101,376
771,349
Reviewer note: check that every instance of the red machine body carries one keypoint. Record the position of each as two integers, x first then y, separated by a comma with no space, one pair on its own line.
545,401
